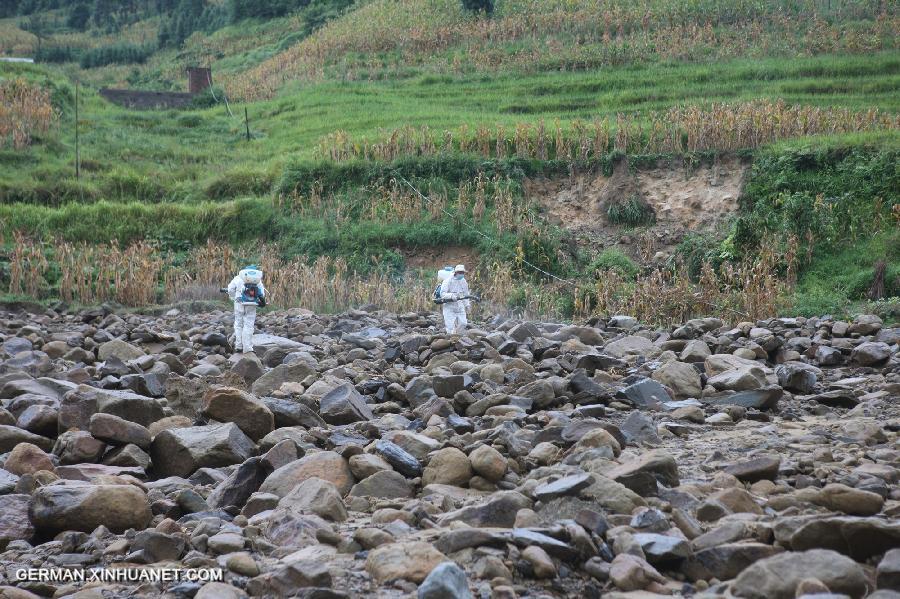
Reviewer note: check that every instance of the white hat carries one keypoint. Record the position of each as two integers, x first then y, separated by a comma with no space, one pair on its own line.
460,268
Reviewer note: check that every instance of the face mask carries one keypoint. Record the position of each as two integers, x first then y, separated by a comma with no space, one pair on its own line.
459,277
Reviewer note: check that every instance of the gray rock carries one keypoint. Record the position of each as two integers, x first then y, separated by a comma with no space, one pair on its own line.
777,577
446,581
859,538
401,460
239,486
761,399
289,412
888,573
646,394
871,354
797,377
499,511
14,522
279,375
756,469
385,484
662,548
567,485
726,561
10,436
181,451
344,405
84,507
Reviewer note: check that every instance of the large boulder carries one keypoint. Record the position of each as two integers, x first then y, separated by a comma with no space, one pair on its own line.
182,451
284,373
227,404
10,436
632,345
77,407
344,405
326,465
680,377
316,496
412,561
118,431
777,577
449,466
871,353
84,507
14,522
122,350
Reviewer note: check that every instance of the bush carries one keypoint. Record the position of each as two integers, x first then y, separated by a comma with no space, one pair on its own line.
57,54
630,213
614,260
123,53
209,97
239,183
476,6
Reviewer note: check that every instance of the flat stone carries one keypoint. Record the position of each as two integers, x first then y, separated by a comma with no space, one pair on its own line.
567,485
756,469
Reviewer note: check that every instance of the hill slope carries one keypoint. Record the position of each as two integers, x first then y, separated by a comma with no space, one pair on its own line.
479,113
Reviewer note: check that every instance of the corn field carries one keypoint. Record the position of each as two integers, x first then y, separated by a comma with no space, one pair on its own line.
25,111
533,35
721,127
394,202
141,275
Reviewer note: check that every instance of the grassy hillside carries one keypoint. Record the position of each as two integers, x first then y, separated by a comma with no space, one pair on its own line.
467,108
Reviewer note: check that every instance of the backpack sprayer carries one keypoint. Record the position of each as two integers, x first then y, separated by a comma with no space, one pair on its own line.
251,294
444,274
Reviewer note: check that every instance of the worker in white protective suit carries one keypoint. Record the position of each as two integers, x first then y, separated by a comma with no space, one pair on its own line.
247,292
453,291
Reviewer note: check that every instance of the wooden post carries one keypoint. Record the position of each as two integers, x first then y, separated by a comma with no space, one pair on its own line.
77,148
247,123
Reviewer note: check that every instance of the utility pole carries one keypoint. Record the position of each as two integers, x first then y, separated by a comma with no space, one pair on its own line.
247,123
77,148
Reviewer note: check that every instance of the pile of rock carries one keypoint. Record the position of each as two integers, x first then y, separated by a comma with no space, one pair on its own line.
370,454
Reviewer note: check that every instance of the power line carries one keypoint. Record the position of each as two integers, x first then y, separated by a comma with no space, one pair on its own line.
482,234
213,92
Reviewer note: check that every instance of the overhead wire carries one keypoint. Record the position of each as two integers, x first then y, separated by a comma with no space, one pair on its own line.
213,92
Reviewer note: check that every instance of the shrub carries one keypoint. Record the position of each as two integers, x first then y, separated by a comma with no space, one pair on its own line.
614,260
123,53
631,213
57,54
477,6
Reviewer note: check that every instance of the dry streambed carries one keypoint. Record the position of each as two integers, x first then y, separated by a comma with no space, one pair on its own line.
367,454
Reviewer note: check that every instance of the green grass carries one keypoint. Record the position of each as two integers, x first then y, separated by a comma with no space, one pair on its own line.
192,156
838,279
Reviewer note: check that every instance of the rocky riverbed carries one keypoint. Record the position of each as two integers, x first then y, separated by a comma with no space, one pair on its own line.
370,455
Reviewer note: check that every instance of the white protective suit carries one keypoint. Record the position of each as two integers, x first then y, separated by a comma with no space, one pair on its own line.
455,320
244,316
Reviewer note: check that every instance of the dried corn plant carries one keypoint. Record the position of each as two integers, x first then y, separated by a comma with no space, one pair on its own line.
25,111
719,127
27,267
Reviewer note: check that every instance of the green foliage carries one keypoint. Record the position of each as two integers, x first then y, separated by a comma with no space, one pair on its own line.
829,195
239,183
57,54
614,260
838,278
476,6
632,212
122,53
697,249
